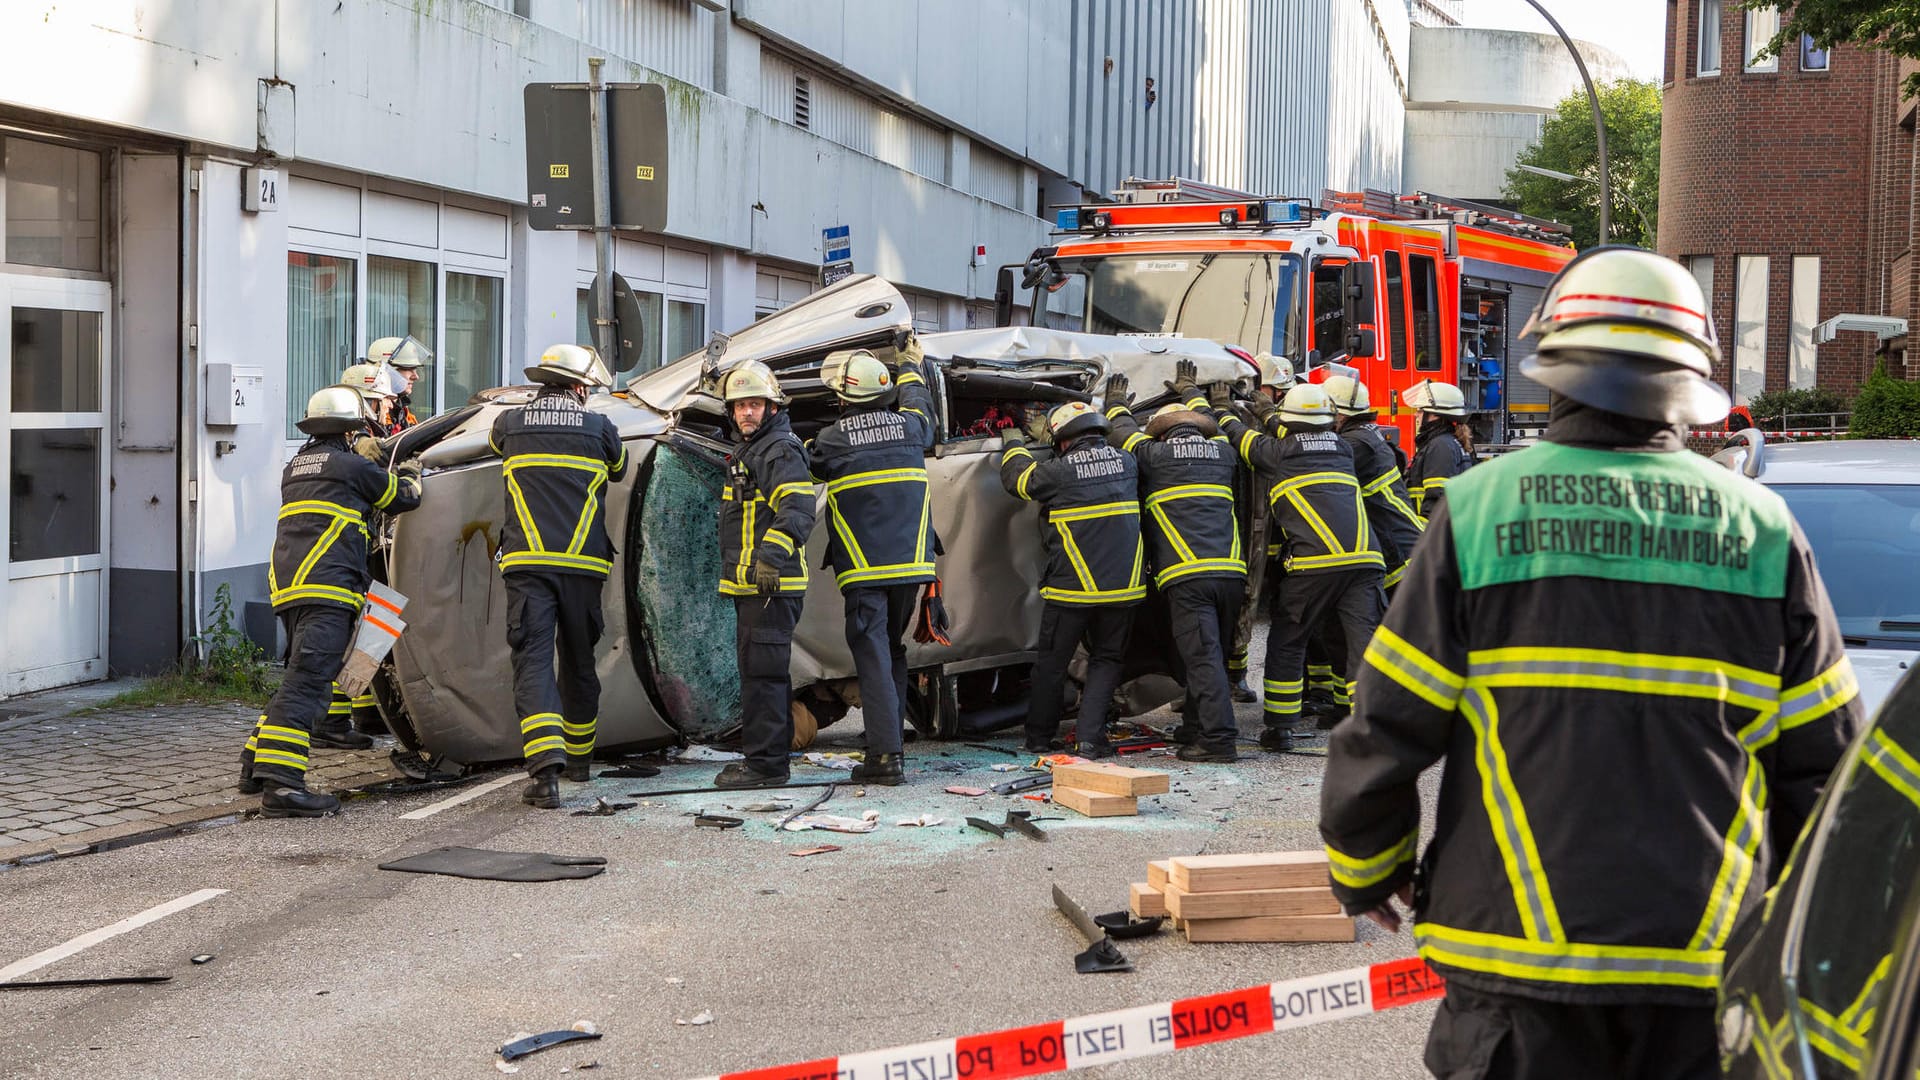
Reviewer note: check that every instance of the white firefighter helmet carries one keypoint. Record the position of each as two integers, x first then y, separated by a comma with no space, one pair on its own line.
387,382
1276,373
1348,394
752,379
405,353
856,376
1628,331
1175,414
570,365
1438,398
366,378
334,410
1073,419
1307,403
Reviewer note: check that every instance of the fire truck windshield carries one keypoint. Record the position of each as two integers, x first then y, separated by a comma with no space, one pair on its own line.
1249,299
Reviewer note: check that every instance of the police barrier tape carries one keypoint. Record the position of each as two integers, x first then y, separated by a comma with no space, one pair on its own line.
1144,1031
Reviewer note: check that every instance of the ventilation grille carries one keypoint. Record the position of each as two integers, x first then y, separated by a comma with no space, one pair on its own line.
802,101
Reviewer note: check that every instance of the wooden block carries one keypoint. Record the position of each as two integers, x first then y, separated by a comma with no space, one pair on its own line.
1095,803
1112,779
1157,873
1267,870
1272,928
1249,903
1145,901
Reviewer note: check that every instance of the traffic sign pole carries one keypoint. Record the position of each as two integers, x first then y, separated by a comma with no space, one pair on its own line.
602,218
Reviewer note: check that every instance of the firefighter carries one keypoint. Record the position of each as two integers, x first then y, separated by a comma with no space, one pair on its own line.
1331,562
557,460
1276,378
766,514
375,383
1193,539
873,461
1626,657
1439,453
1090,498
406,356
317,582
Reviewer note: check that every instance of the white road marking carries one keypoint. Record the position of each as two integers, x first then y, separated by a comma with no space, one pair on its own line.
466,796
94,937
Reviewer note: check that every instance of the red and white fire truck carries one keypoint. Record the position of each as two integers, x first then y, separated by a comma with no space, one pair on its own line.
1399,287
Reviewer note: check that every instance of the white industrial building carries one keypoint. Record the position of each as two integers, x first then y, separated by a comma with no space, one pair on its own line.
210,209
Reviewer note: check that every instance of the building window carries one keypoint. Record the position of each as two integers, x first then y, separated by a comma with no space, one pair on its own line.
1813,57
1762,24
1426,306
320,327
1803,300
1749,327
54,468
1396,311
53,196
648,333
1708,60
686,327
476,334
400,302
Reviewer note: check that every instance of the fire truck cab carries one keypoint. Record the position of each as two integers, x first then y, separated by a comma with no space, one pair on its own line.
1400,288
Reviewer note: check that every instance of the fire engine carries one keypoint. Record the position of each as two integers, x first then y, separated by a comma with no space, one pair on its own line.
1399,288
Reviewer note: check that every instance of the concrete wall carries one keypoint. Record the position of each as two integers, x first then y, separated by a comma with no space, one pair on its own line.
1477,98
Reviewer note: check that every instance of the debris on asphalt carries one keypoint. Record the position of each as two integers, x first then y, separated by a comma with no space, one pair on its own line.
675,980
109,980
484,865
701,1020
763,807
203,958
1006,766
1021,821
630,772
995,749
1024,783
818,802
865,823
717,821
922,821
843,762
709,789
533,1044
1121,925
962,789
801,853
1101,954
986,826
602,808
697,752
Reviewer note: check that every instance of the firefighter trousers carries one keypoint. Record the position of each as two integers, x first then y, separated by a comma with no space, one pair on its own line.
877,619
1353,597
558,712
763,642
1329,679
318,637
1103,628
1482,1036
1203,613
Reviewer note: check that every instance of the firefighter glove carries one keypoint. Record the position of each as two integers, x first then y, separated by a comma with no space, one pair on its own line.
1185,382
1262,408
1119,391
369,447
1220,395
408,469
1011,437
909,356
766,577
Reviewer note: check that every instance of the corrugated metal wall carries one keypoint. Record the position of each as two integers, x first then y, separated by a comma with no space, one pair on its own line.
839,112
994,176
673,37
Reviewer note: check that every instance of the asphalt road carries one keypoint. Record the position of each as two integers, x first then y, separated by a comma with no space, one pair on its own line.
325,965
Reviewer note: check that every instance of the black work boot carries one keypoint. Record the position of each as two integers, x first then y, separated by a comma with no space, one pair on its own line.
883,769
1042,746
1243,693
249,784
1277,738
1184,734
1094,751
370,722
282,800
342,738
579,768
1208,755
543,791
741,775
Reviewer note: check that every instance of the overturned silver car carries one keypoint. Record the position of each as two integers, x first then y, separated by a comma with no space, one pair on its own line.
666,664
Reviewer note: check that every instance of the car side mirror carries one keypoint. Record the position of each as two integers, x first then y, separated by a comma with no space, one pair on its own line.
1356,294
1003,297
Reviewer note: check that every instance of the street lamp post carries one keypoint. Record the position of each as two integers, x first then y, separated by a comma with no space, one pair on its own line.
1599,122
1646,226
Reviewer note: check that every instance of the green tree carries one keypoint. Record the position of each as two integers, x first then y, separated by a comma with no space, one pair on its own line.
1632,112
1893,25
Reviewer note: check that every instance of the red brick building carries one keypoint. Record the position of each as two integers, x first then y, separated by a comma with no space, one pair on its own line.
1786,185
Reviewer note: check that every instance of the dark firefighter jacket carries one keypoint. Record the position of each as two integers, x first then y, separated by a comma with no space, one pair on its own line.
1390,513
327,493
1316,499
1090,497
1186,480
766,511
1438,457
1626,657
559,459
873,460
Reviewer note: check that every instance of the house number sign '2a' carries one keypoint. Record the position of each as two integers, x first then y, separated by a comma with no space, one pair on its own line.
260,190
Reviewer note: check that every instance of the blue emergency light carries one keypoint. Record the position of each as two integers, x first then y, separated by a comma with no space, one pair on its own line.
1276,211
1068,220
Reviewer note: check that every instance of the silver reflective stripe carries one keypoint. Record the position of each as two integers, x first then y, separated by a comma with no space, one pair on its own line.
1672,966
1832,689
1636,672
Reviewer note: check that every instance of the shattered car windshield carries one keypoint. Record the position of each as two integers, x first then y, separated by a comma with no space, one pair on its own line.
1246,299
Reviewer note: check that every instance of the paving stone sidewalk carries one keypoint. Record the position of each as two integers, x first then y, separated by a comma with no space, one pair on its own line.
71,782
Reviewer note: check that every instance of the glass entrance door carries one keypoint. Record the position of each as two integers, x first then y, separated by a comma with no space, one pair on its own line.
54,456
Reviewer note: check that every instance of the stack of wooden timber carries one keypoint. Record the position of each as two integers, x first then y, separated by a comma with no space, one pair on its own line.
1272,896
1102,789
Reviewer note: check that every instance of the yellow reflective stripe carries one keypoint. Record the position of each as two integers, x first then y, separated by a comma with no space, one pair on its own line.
1080,569
1394,575
1173,537
317,506
1633,673
1736,861
1567,962
539,720
907,378
1246,446
1831,1037
1133,440
318,550
520,509
1361,873
587,509
1421,675
556,461
386,498
791,487
1198,566
1338,558
1539,919
317,592
1895,765
779,540
1315,479
1400,507
1097,510
1818,696
878,476
1190,491
926,525
1114,412
1314,521
749,513
621,461
1093,596
1433,484
875,573
1859,1015
284,734
1382,482
265,756
557,559
1139,562
843,530
1770,1044
1020,485
543,744
787,585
